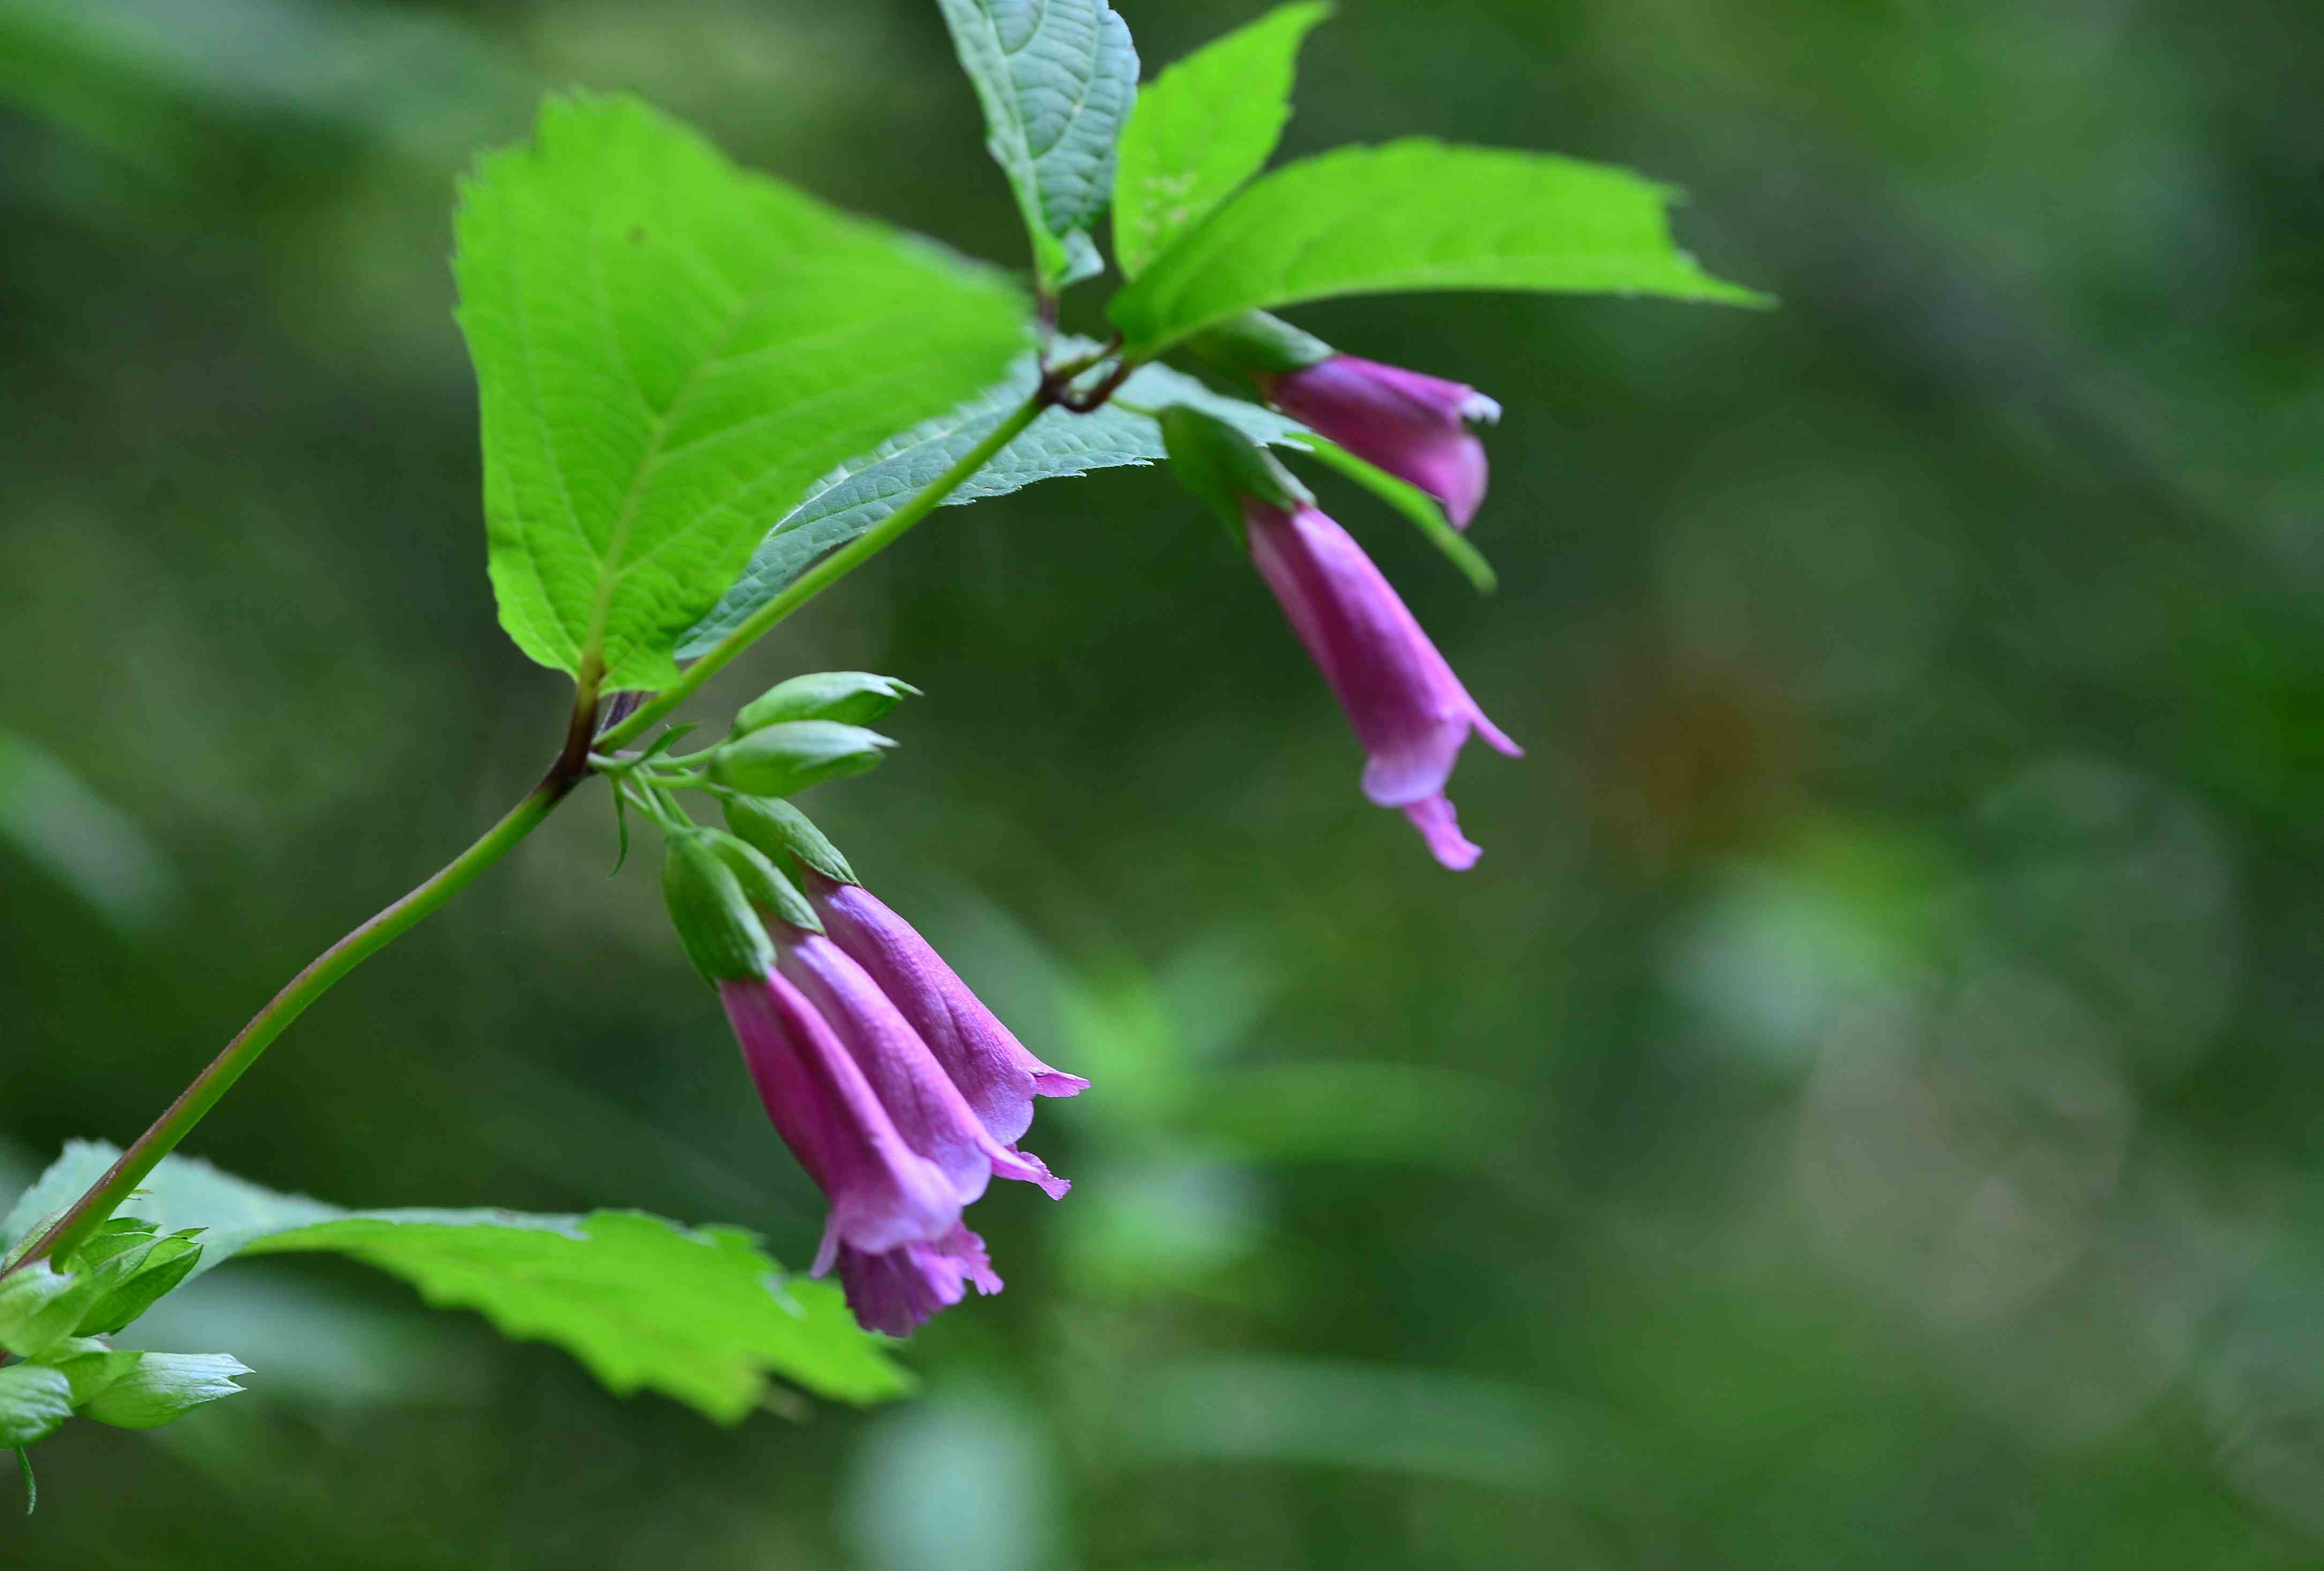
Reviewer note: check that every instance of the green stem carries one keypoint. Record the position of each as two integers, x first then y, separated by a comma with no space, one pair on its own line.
823,573
573,763
122,1178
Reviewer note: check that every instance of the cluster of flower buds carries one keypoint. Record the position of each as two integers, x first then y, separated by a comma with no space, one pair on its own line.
901,1094
807,731
1408,709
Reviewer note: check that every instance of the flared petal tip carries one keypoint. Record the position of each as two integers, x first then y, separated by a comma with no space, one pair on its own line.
900,1291
1435,819
1497,738
1009,1163
1050,1082
1457,476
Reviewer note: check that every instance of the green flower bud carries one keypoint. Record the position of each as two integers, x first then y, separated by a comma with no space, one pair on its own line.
780,760
850,697
763,883
721,934
779,829
1222,466
1257,342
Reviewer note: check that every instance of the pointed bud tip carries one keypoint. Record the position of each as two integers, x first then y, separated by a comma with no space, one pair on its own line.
787,757
849,697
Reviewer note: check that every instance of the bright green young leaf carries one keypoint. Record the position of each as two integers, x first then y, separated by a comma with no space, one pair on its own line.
700,1316
668,349
1413,503
1206,126
1416,214
1056,78
859,493
33,1401
162,1387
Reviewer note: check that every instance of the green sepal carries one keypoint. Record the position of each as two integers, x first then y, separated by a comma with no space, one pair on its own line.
33,1400
721,934
763,883
89,1364
780,760
1259,343
164,1386
143,1276
849,697
779,828
1222,466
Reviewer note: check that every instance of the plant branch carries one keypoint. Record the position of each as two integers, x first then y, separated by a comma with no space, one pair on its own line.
627,715
1090,402
122,1178
828,572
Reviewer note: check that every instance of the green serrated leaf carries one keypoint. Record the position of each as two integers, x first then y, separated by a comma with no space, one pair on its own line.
33,1401
1413,503
1416,214
702,1316
183,1192
164,1387
1057,80
88,1364
858,494
1206,126
668,349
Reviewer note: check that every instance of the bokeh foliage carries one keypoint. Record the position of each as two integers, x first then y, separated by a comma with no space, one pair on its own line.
1863,1110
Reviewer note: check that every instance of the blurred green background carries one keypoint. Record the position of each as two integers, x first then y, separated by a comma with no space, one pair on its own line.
1863,1110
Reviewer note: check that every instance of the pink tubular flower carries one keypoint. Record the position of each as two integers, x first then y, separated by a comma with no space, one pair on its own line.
928,1110
894,1230
985,1061
1415,426
1408,710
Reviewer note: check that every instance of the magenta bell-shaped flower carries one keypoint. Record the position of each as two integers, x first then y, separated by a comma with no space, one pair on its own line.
901,1290
995,1074
894,1231
1410,712
929,1111
1415,426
